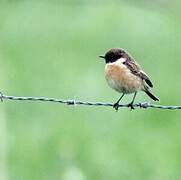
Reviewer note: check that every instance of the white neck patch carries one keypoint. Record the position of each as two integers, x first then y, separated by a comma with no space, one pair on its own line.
119,61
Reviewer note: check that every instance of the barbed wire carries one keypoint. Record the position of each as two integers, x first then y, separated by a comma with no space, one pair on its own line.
144,105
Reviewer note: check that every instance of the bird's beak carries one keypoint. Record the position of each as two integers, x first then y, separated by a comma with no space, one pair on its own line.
102,56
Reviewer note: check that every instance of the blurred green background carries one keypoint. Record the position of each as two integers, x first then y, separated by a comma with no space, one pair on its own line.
51,48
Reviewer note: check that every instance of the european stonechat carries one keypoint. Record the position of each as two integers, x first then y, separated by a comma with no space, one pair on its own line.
124,75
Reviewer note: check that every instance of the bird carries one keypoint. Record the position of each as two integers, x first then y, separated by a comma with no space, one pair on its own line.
125,75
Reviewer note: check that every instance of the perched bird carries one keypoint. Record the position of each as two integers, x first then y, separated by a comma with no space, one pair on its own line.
124,75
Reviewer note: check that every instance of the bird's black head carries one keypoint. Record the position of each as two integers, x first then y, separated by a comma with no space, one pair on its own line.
113,55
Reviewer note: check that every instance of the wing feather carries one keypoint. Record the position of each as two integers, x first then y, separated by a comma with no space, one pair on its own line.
136,70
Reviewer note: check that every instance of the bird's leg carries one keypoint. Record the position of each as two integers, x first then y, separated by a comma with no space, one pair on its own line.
131,103
116,105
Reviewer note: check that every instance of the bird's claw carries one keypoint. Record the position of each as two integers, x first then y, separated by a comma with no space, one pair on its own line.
131,106
116,106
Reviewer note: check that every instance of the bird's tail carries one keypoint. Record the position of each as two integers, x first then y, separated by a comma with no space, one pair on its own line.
151,95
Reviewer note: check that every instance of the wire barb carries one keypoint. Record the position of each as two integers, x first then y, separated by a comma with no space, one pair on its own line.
1,96
143,105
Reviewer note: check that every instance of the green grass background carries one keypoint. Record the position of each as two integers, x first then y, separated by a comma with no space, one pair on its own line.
51,48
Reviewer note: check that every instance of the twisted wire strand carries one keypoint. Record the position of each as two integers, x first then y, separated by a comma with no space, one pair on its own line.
144,105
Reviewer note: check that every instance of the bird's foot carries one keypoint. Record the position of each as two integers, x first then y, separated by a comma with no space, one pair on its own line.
116,106
131,106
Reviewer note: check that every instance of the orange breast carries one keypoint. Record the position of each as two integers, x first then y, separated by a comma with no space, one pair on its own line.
120,78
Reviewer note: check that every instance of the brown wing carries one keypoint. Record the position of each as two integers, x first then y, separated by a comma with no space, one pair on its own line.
136,70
